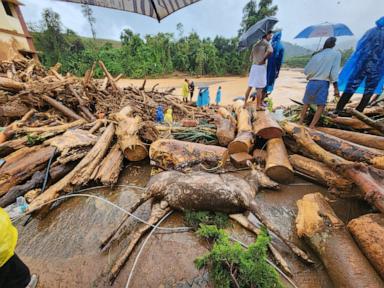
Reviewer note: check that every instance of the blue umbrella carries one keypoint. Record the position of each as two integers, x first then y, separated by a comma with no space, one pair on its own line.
256,32
325,30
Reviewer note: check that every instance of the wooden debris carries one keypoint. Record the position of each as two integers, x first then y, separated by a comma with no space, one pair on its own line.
368,231
78,176
178,155
277,165
109,169
328,237
225,132
127,134
320,172
265,126
368,121
367,140
368,179
239,160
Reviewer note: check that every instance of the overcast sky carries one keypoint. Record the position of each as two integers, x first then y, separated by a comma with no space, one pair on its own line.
215,17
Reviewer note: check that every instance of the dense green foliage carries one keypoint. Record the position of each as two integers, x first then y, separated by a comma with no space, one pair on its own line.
195,218
151,55
230,265
301,61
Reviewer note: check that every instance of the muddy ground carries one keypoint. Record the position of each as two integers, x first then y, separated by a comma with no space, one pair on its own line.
63,247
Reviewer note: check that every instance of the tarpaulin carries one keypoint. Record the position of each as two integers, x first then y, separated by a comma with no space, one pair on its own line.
364,70
275,61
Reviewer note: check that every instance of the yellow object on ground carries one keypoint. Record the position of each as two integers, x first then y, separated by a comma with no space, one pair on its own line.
168,118
8,238
185,90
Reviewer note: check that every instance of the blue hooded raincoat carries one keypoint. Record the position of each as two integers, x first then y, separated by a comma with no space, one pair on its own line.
275,61
364,70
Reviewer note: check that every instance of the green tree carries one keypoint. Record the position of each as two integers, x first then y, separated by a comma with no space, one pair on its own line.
88,14
253,13
49,37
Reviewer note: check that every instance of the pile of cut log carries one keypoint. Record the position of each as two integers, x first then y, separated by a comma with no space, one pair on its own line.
62,132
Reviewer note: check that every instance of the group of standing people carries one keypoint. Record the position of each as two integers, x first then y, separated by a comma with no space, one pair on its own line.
363,72
188,90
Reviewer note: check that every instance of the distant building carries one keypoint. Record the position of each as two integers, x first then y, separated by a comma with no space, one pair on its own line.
14,36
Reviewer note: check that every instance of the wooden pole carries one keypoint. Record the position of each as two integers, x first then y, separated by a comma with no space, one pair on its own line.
368,121
60,107
363,139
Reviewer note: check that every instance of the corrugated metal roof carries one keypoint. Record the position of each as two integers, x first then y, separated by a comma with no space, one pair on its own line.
158,9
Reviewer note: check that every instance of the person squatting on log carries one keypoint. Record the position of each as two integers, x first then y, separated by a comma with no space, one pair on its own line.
258,74
322,69
364,67
13,272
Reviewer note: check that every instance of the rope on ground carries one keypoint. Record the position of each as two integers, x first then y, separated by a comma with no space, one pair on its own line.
142,247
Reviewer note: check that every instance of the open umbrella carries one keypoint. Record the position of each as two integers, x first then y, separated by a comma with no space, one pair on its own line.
325,30
256,32
158,9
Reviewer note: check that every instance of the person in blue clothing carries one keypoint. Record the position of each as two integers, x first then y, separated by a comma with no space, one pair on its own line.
274,62
218,96
321,70
364,71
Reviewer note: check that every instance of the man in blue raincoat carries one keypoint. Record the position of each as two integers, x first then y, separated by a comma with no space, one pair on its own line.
274,61
364,70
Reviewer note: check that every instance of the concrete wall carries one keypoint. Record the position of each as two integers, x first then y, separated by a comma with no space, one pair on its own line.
11,34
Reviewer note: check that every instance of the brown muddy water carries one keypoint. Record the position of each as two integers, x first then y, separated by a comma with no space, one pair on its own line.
63,248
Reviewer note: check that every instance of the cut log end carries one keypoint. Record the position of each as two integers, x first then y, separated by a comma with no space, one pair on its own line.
136,153
270,132
281,174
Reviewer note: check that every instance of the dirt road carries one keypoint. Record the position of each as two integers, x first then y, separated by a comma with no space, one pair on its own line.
290,84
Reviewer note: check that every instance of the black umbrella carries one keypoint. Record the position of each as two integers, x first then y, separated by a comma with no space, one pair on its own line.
256,32
158,9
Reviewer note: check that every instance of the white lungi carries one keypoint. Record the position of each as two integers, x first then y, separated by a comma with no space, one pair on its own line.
258,76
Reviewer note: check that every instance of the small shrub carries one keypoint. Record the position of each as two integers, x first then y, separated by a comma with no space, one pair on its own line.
230,265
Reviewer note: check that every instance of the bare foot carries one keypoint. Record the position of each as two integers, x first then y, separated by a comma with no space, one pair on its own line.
260,109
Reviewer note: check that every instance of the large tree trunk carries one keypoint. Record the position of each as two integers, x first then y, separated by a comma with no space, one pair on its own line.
320,172
22,164
374,124
265,126
277,165
178,155
369,180
347,150
109,169
367,140
80,174
368,231
127,134
225,132
328,237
